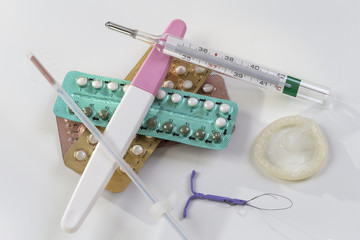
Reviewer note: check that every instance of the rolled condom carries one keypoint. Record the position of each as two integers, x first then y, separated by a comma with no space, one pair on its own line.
291,148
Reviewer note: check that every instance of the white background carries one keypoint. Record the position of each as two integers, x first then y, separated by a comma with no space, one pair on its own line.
314,40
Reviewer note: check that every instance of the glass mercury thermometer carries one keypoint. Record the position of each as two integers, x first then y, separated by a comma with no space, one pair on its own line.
232,66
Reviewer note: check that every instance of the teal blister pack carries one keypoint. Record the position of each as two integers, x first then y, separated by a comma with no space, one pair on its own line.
175,115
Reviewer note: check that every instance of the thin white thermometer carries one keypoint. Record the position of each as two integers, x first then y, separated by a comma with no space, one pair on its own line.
232,66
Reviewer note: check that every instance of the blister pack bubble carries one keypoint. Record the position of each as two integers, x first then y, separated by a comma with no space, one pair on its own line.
166,118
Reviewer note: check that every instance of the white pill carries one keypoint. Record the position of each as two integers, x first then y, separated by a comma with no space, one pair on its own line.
220,122
112,86
187,84
161,94
199,69
80,155
137,150
180,70
125,88
176,98
82,81
207,88
224,108
208,105
96,84
92,139
169,84
192,102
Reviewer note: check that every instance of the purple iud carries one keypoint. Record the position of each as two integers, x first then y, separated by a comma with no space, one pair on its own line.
230,201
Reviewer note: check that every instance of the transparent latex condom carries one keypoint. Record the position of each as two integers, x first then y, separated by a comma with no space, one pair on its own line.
291,148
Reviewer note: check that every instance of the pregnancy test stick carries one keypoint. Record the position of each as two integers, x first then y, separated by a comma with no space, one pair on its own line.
121,130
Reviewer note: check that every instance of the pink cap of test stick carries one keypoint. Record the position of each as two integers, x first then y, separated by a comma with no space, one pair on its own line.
153,71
